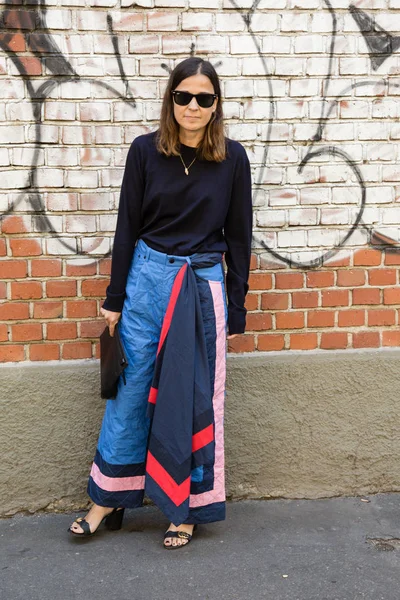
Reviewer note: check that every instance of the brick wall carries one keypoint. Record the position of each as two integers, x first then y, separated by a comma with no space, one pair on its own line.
311,90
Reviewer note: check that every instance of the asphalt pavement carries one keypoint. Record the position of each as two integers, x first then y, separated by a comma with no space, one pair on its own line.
333,549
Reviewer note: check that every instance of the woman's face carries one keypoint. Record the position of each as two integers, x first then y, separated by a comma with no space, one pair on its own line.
193,117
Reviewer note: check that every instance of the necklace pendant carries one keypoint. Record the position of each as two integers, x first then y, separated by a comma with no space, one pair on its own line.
186,171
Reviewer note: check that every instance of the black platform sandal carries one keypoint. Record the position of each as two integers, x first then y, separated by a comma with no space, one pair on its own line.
178,534
112,521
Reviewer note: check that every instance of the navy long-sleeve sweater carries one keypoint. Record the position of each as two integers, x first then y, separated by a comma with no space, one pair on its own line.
209,210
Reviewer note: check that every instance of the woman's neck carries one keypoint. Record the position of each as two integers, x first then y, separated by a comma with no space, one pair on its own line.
192,139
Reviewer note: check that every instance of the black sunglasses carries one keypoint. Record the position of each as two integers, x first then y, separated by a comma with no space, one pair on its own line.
203,100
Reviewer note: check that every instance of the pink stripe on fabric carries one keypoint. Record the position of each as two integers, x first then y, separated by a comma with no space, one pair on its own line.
217,494
116,484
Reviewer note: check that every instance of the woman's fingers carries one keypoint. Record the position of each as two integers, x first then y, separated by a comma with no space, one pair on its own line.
111,318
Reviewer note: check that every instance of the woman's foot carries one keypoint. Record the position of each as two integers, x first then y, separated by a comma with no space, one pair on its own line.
177,541
94,517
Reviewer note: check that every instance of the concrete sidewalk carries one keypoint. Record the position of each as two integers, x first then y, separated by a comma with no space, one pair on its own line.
331,549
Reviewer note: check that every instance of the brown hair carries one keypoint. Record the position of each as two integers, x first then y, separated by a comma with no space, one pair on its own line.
213,145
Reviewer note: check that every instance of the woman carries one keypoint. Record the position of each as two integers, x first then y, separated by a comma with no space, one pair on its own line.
185,201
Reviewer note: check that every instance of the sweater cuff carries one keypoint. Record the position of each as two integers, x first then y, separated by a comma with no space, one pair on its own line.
114,302
236,321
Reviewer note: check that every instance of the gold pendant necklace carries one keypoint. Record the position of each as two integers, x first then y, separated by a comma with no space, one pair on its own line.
187,168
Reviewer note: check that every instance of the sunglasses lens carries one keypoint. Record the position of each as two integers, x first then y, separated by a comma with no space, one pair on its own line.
205,100
184,98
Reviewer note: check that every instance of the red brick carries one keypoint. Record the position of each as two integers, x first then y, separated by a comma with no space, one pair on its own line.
10,311
14,224
105,266
11,353
258,321
366,339
23,290
253,262
392,258
251,302
351,318
75,350
391,338
271,341
25,247
367,296
61,330
382,277
320,279
22,332
242,343
48,310
44,352
289,281
304,299
14,41
391,296
381,317
76,270
274,301
61,288
335,298
367,257
92,329
338,262
13,269
44,267
94,287
260,281
303,341
3,248
351,277
20,19
289,320
81,308
321,318
333,340
268,263
96,353
3,333
3,290
32,65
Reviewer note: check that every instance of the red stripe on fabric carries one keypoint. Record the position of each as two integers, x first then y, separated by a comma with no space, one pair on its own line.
202,438
177,493
153,395
176,288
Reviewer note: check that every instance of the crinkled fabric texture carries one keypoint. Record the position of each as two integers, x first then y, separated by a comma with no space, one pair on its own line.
117,475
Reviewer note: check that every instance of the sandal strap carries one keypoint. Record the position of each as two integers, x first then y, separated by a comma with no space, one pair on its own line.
178,534
85,526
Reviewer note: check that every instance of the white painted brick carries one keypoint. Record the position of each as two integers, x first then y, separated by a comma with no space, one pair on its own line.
144,44
354,66
345,44
94,111
48,134
61,157
108,135
80,223
197,21
338,87
94,157
211,44
292,239
5,158
74,90
270,218
49,178
176,44
50,223
294,21
127,112
305,87
375,195
60,246
268,175
318,65
380,152
162,21
12,88
308,44
346,195
354,109
61,201
244,44
16,179
375,131
77,44
264,22
303,216
26,156
383,109
291,109
154,67
323,237
76,134
256,109
258,66
91,20
97,201
238,88
95,245
391,215
308,175
339,131
60,111
102,44
290,66
371,215
270,87
19,111
81,179
334,216
127,21
283,197
283,154
315,109
229,22
277,44
204,3
58,19
170,3
111,177
108,222
321,22
11,134
315,195
242,131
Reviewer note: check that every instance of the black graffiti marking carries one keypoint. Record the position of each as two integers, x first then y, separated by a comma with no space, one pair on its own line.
117,53
381,44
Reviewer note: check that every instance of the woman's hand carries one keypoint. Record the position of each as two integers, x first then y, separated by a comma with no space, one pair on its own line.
111,318
230,337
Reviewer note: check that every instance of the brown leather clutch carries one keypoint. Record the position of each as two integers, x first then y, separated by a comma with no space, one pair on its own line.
113,363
